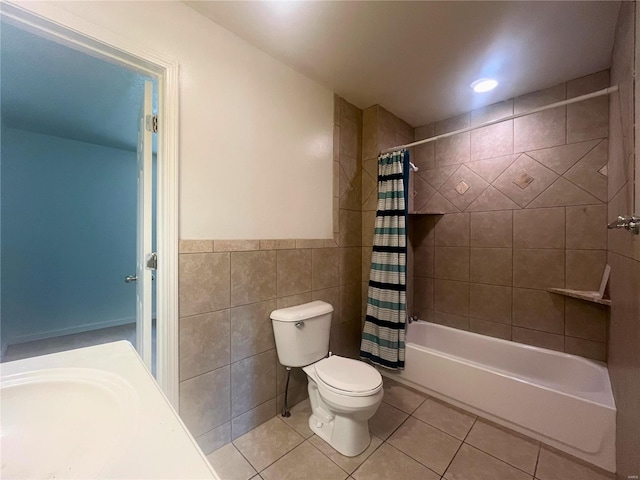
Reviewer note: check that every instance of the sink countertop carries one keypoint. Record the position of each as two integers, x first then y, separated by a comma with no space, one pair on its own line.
160,446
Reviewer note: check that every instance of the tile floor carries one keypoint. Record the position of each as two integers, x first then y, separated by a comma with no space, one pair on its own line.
413,437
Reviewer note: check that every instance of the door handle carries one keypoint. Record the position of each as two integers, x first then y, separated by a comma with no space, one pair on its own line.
130,278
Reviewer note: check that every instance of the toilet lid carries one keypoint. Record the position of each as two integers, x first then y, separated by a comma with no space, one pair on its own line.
347,374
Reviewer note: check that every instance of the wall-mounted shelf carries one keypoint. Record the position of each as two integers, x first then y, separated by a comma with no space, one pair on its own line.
593,297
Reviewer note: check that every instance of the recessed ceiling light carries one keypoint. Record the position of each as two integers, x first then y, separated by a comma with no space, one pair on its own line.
484,85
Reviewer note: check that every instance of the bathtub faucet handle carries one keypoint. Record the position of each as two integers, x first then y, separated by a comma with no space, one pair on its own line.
412,318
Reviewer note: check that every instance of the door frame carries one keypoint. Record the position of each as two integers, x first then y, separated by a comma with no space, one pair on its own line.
74,32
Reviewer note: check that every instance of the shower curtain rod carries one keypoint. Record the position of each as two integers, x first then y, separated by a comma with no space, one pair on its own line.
599,93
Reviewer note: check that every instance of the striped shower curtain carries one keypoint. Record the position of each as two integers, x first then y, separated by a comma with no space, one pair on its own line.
383,337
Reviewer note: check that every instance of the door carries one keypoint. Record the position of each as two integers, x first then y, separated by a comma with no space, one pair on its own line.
144,228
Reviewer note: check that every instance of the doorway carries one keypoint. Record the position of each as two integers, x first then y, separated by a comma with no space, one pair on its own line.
47,285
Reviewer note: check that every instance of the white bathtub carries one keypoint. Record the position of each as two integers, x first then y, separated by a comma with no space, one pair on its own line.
560,399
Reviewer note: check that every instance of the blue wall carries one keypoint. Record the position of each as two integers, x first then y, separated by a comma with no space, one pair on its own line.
68,223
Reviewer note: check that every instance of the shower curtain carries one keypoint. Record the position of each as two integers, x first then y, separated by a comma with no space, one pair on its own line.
383,337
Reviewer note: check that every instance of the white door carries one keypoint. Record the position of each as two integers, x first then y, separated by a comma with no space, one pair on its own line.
143,248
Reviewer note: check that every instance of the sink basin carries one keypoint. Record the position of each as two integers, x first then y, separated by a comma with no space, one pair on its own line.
64,422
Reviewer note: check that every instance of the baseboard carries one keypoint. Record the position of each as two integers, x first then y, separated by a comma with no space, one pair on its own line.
87,327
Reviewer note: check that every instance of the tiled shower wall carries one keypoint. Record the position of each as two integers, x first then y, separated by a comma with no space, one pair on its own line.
230,378
523,208
624,252
485,263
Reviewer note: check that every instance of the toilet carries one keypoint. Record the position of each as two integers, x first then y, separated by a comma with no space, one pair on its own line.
344,393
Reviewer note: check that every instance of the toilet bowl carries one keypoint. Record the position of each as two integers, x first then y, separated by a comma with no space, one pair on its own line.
344,394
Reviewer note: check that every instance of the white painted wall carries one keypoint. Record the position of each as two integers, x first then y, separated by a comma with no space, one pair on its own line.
255,136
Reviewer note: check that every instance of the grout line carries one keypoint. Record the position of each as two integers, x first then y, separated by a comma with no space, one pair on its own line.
535,470
499,459
415,460
460,446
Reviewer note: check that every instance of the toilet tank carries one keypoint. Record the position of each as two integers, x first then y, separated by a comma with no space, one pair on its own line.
302,333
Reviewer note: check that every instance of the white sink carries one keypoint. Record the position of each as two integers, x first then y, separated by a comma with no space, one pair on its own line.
64,422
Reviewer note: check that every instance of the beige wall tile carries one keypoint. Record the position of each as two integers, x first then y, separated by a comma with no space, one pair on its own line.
535,268
562,158
539,228
491,168
293,272
350,302
461,322
540,98
540,130
350,111
204,401
588,84
350,228
537,338
492,112
452,297
491,229
195,246
452,124
350,265
349,138
253,382
586,320
422,229
325,269
453,150
463,187
424,156
563,193
491,329
437,176
491,265
277,244
542,179
587,227
350,191
490,302
253,277
293,300
309,243
424,260
204,282
423,296
251,329
235,245
452,230
585,268
204,343
492,199
421,193
586,173
251,419
587,120
452,263
538,310
492,141
586,348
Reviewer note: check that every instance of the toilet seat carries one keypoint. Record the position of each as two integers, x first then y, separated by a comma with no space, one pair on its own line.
346,376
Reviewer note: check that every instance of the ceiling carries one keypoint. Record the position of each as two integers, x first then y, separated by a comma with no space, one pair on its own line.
417,59
51,89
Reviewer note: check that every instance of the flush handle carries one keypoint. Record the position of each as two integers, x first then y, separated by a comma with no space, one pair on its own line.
299,324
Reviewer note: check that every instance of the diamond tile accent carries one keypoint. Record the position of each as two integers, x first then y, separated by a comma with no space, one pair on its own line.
462,187
476,186
438,204
585,173
491,168
604,170
423,192
492,199
562,158
523,180
437,176
543,178
563,193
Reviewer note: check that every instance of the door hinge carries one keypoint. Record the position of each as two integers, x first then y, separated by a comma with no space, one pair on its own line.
152,261
151,122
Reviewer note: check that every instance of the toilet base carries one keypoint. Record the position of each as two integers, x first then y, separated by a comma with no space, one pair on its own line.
348,437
